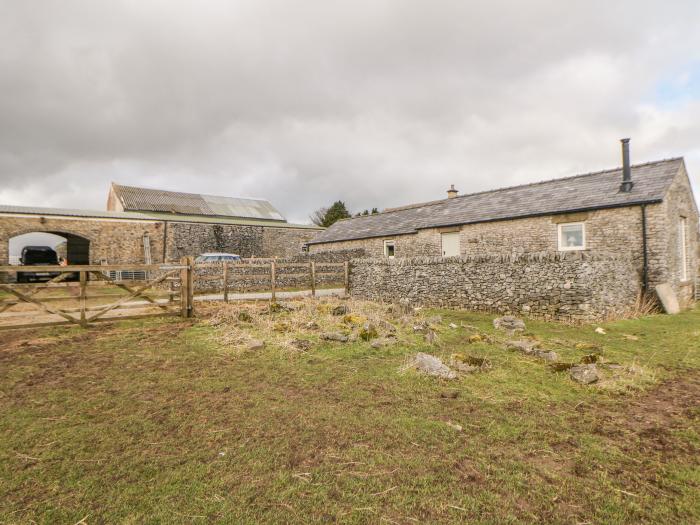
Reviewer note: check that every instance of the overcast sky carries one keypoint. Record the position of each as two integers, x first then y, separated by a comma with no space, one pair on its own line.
379,103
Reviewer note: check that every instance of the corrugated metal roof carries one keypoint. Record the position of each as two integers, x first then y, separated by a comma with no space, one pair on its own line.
580,192
147,200
152,216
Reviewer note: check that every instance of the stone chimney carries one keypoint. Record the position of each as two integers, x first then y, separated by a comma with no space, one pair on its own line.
452,192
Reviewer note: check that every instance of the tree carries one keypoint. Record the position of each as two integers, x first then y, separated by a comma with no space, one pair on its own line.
327,216
318,216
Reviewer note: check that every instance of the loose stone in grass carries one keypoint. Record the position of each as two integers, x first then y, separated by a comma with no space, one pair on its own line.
584,374
432,366
561,367
340,310
256,344
368,332
421,327
245,317
452,325
302,344
475,338
386,326
311,325
468,364
525,346
547,355
275,308
335,336
509,323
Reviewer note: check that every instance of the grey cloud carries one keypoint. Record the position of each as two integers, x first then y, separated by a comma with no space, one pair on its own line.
376,102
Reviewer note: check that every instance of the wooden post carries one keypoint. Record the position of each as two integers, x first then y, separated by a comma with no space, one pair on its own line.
190,286
171,296
225,282
83,295
312,268
347,277
273,280
186,285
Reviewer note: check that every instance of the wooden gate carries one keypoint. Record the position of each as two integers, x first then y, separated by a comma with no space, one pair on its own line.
98,291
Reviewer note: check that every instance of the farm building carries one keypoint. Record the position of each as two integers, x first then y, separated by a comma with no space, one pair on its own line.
150,226
647,211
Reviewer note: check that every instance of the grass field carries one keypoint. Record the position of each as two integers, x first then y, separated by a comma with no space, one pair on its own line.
173,421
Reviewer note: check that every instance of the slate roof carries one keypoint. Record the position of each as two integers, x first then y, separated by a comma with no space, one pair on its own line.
144,216
578,193
152,200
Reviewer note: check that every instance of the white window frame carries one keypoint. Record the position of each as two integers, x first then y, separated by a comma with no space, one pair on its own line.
386,250
571,248
683,247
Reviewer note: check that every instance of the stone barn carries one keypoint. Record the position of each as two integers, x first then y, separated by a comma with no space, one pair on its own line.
151,226
646,211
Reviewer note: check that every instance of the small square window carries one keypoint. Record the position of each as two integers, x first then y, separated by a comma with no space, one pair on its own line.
572,236
389,249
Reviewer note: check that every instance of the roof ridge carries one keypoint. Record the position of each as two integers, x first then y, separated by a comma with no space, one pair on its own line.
186,192
504,188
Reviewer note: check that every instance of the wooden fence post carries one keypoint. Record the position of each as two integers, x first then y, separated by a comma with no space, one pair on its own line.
273,280
83,295
312,267
186,285
225,282
347,277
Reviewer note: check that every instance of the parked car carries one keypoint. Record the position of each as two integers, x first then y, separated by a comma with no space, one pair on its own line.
37,256
217,257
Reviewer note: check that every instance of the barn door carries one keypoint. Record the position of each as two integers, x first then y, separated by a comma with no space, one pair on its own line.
450,244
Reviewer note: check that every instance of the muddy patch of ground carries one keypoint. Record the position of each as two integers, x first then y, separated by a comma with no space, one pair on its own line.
648,421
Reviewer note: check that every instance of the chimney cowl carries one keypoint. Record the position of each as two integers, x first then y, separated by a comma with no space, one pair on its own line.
452,192
627,183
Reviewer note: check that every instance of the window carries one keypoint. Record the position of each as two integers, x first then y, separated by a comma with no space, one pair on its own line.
572,236
389,249
683,247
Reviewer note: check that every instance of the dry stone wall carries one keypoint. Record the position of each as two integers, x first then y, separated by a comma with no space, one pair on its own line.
255,275
571,287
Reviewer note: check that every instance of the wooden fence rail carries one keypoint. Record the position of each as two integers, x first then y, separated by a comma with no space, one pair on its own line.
129,295
269,271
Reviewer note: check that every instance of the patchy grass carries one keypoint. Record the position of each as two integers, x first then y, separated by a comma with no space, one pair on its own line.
174,421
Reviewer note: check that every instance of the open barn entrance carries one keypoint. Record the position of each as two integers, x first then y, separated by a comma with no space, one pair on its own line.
72,248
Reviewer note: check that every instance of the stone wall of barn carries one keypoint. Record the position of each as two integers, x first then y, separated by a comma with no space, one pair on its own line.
119,241
572,287
247,241
112,241
607,231
615,231
679,203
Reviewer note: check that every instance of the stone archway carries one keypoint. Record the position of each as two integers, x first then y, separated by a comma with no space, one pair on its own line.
77,247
